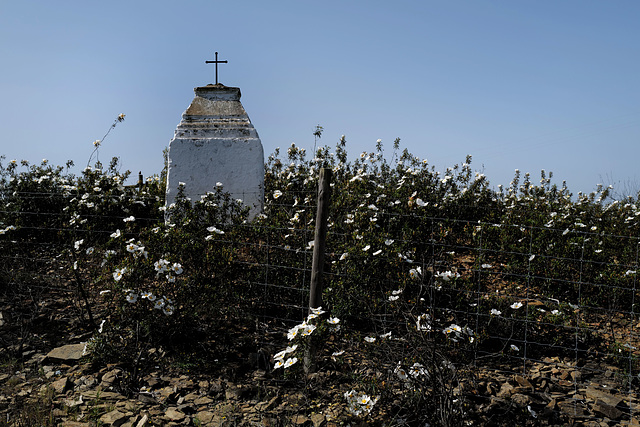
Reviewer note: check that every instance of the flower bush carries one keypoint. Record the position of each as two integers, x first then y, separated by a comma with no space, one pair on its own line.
426,271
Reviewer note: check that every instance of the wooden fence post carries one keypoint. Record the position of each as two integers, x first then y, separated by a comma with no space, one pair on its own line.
317,265
320,238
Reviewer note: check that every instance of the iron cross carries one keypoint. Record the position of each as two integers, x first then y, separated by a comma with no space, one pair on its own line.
216,62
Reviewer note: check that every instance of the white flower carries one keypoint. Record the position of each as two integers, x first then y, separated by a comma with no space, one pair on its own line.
389,242
486,266
516,305
149,296
496,312
129,219
343,256
366,248
555,312
378,252
290,361
420,203
277,194
280,355
292,333
279,364
90,250
119,273
369,339
333,320
214,230
132,298
424,322
401,373
161,265
168,310
417,370
78,243
447,275
106,291
514,347
101,325
308,330
177,268
364,399
393,297
132,247
291,349
317,310
359,403
452,328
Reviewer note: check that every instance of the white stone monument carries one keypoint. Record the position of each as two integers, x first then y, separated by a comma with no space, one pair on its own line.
216,142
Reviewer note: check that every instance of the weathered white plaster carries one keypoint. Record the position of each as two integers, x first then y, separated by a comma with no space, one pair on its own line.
216,142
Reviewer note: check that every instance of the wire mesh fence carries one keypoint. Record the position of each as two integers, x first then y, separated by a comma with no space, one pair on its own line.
553,307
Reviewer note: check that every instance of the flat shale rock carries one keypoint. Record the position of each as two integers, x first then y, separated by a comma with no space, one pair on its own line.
174,415
606,404
62,385
67,353
607,410
143,421
506,390
317,420
114,418
301,420
205,417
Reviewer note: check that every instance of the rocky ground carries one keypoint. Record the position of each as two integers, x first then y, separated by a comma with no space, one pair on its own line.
57,388
46,380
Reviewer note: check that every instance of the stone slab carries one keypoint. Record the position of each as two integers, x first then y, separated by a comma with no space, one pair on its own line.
67,352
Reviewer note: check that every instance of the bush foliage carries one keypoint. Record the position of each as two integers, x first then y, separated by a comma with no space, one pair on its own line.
441,260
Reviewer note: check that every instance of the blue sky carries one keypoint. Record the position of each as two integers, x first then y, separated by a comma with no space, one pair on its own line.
531,85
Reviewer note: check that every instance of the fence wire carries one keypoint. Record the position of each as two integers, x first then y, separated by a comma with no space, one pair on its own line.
543,302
